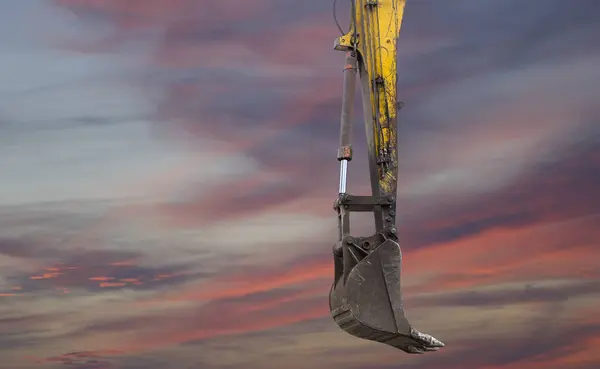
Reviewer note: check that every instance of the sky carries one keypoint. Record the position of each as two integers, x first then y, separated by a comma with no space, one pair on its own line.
167,170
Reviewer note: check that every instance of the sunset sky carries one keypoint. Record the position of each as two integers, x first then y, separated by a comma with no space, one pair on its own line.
168,169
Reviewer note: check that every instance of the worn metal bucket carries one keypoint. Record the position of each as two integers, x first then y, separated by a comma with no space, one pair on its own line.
366,300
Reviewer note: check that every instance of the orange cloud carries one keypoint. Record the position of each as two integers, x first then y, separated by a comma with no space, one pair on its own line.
487,259
247,284
110,284
537,252
578,354
104,279
45,276
213,321
542,251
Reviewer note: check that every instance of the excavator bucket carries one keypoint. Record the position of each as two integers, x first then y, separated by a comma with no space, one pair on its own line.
366,301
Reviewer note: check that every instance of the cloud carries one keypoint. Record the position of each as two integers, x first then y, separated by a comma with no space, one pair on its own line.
226,261
513,136
89,270
530,199
529,294
84,359
264,299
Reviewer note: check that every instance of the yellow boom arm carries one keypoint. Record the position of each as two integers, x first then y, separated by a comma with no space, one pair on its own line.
374,35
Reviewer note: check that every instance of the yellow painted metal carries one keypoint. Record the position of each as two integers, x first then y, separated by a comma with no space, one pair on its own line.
373,34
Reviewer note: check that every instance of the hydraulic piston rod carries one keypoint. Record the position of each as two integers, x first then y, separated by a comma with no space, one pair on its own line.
345,150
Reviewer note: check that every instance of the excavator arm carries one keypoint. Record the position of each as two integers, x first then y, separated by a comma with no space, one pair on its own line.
365,299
